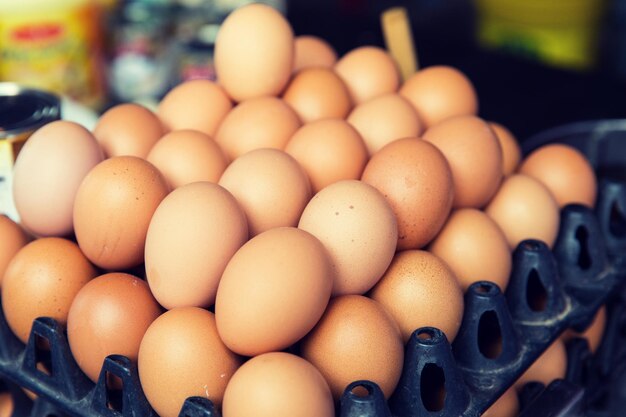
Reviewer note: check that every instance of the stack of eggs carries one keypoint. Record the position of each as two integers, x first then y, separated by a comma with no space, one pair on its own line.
265,240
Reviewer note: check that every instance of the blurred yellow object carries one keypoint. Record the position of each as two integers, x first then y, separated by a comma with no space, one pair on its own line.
559,32
53,45
399,40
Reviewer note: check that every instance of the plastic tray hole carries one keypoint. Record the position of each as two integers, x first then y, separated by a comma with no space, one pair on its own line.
426,335
584,259
484,289
43,355
489,335
536,294
617,221
362,391
114,388
432,387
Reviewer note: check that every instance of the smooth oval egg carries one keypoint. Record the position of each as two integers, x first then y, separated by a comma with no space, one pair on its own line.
439,93
278,384
358,229
356,339
192,235
328,150
186,156
128,129
266,122
474,248
318,93
313,52
180,356
416,180
41,281
109,315
368,71
383,119
505,406
511,151
419,289
475,158
254,52
47,173
113,208
273,291
13,239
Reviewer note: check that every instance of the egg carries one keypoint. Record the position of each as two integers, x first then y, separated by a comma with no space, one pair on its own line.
254,52
550,365
113,208
6,404
109,315
47,174
565,171
356,339
328,150
186,156
383,119
593,333
368,72
418,290
182,348
196,104
511,151
273,291
505,406
313,52
192,235
13,239
524,208
128,129
277,384
474,247
42,280
439,93
358,229
416,180
266,122
271,187
475,157
318,93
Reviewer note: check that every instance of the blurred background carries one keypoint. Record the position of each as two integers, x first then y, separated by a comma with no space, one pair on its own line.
535,63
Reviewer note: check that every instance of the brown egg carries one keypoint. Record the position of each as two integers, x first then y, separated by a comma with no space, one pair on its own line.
109,316
47,174
266,122
550,365
358,228
383,119
525,209
565,171
368,72
128,129
439,93
356,339
182,347
475,157
193,234
273,291
13,239
186,156
254,52
41,281
113,208
593,333
318,93
416,180
6,404
329,150
270,186
311,52
197,104
474,248
511,151
278,384
418,290
506,406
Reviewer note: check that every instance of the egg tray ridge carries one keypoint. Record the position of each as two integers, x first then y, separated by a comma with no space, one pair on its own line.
585,269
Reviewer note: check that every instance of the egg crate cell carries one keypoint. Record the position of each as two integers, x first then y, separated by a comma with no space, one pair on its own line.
500,337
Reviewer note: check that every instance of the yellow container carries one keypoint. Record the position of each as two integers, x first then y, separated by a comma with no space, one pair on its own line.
559,32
